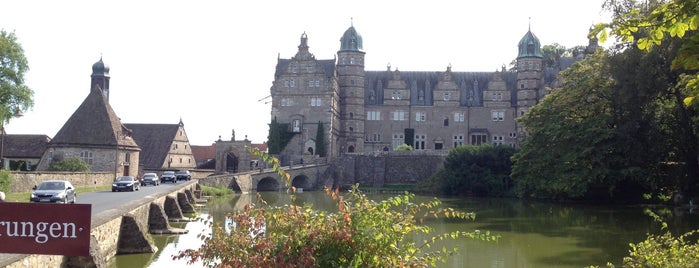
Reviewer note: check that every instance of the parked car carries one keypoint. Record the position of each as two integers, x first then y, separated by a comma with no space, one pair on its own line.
168,176
54,191
183,175
126,183
150,178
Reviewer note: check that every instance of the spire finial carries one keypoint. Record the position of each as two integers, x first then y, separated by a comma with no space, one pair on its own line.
352,21
530,24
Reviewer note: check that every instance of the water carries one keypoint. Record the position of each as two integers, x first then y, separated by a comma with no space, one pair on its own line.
533,234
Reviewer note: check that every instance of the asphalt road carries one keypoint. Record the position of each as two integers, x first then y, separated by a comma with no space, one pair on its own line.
105,200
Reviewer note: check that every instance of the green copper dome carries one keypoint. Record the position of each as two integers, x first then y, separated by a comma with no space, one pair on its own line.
529,46
351,40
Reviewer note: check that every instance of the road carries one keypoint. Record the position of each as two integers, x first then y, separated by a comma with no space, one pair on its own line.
105,200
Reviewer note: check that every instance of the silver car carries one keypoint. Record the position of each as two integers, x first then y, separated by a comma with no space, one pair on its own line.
54,191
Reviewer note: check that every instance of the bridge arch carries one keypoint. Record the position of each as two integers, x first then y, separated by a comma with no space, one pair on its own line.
301,181
268,184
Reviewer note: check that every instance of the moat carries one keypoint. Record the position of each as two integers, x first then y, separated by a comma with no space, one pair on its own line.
533,234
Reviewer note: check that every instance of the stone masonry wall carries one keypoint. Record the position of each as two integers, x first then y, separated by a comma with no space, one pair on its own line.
24,181
388,168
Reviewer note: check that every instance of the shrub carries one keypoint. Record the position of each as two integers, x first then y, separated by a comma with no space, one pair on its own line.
5,181
361,233
403,147
70,164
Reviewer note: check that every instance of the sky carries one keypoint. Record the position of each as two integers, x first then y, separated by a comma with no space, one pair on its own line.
211,63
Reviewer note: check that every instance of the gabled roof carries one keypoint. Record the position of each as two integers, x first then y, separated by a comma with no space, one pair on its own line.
203,152
94,124
24,146
155,141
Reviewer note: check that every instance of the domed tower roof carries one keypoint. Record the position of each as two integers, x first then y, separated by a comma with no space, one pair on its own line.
529,46
351,40
99,68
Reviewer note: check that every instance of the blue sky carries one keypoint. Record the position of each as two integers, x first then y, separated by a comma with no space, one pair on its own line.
209,62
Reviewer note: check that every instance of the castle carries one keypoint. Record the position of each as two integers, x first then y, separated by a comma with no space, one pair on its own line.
372,111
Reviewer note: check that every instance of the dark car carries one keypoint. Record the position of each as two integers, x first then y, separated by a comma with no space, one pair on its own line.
183,175
150,178
168,176
126,183
54,191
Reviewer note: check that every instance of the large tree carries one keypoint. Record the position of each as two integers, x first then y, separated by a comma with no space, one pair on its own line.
571,144
15,96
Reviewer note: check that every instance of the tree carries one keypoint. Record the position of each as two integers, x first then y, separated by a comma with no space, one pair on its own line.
320,140
552,55
73,164
483,170
15,96
571,144
646,25
278,136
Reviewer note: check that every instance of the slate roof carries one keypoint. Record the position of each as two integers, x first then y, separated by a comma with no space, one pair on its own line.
93,124
155,141
24,146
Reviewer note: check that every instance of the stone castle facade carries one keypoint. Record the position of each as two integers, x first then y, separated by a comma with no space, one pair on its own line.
369,111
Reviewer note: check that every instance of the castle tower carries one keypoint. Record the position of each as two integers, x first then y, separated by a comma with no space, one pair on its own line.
530,76
350,71
100,77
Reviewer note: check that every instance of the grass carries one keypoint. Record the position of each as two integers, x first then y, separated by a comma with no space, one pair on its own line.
24,196
215,191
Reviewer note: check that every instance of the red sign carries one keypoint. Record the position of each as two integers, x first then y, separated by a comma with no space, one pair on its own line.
51,229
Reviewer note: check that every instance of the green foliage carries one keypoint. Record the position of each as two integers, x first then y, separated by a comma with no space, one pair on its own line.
360,233
278,137
320,140
5,181
649,24
571,144
664,250
403,147
215,191
15,96
73,164
482,170
409,136
552,54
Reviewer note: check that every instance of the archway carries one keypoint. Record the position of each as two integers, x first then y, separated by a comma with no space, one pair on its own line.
301,181
231,163
350,149
267,184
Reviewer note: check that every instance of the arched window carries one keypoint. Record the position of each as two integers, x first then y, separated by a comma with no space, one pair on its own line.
350,149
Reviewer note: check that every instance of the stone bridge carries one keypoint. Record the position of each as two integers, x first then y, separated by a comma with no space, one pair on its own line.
312,177
123,230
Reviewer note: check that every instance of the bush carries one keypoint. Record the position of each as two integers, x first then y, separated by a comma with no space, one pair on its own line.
404,147
361,233
71,164
215,191
481,170
5,181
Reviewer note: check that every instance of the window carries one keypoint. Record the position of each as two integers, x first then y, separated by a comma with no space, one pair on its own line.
498,115
446,122
86,156
497,96
477,139
438,145
447,96
127,157
375,137
373,115
292,83
317,82
285,102
458,140
513,135
315,101
314,83
310,69
395,95
296,125
351,60
420,116
398,140
419,142
294,68
458,117
498,140
286,83
398,116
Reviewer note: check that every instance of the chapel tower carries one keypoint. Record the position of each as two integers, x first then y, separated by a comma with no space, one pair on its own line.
100,77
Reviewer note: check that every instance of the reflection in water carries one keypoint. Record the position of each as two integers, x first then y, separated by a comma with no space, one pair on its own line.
533,234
